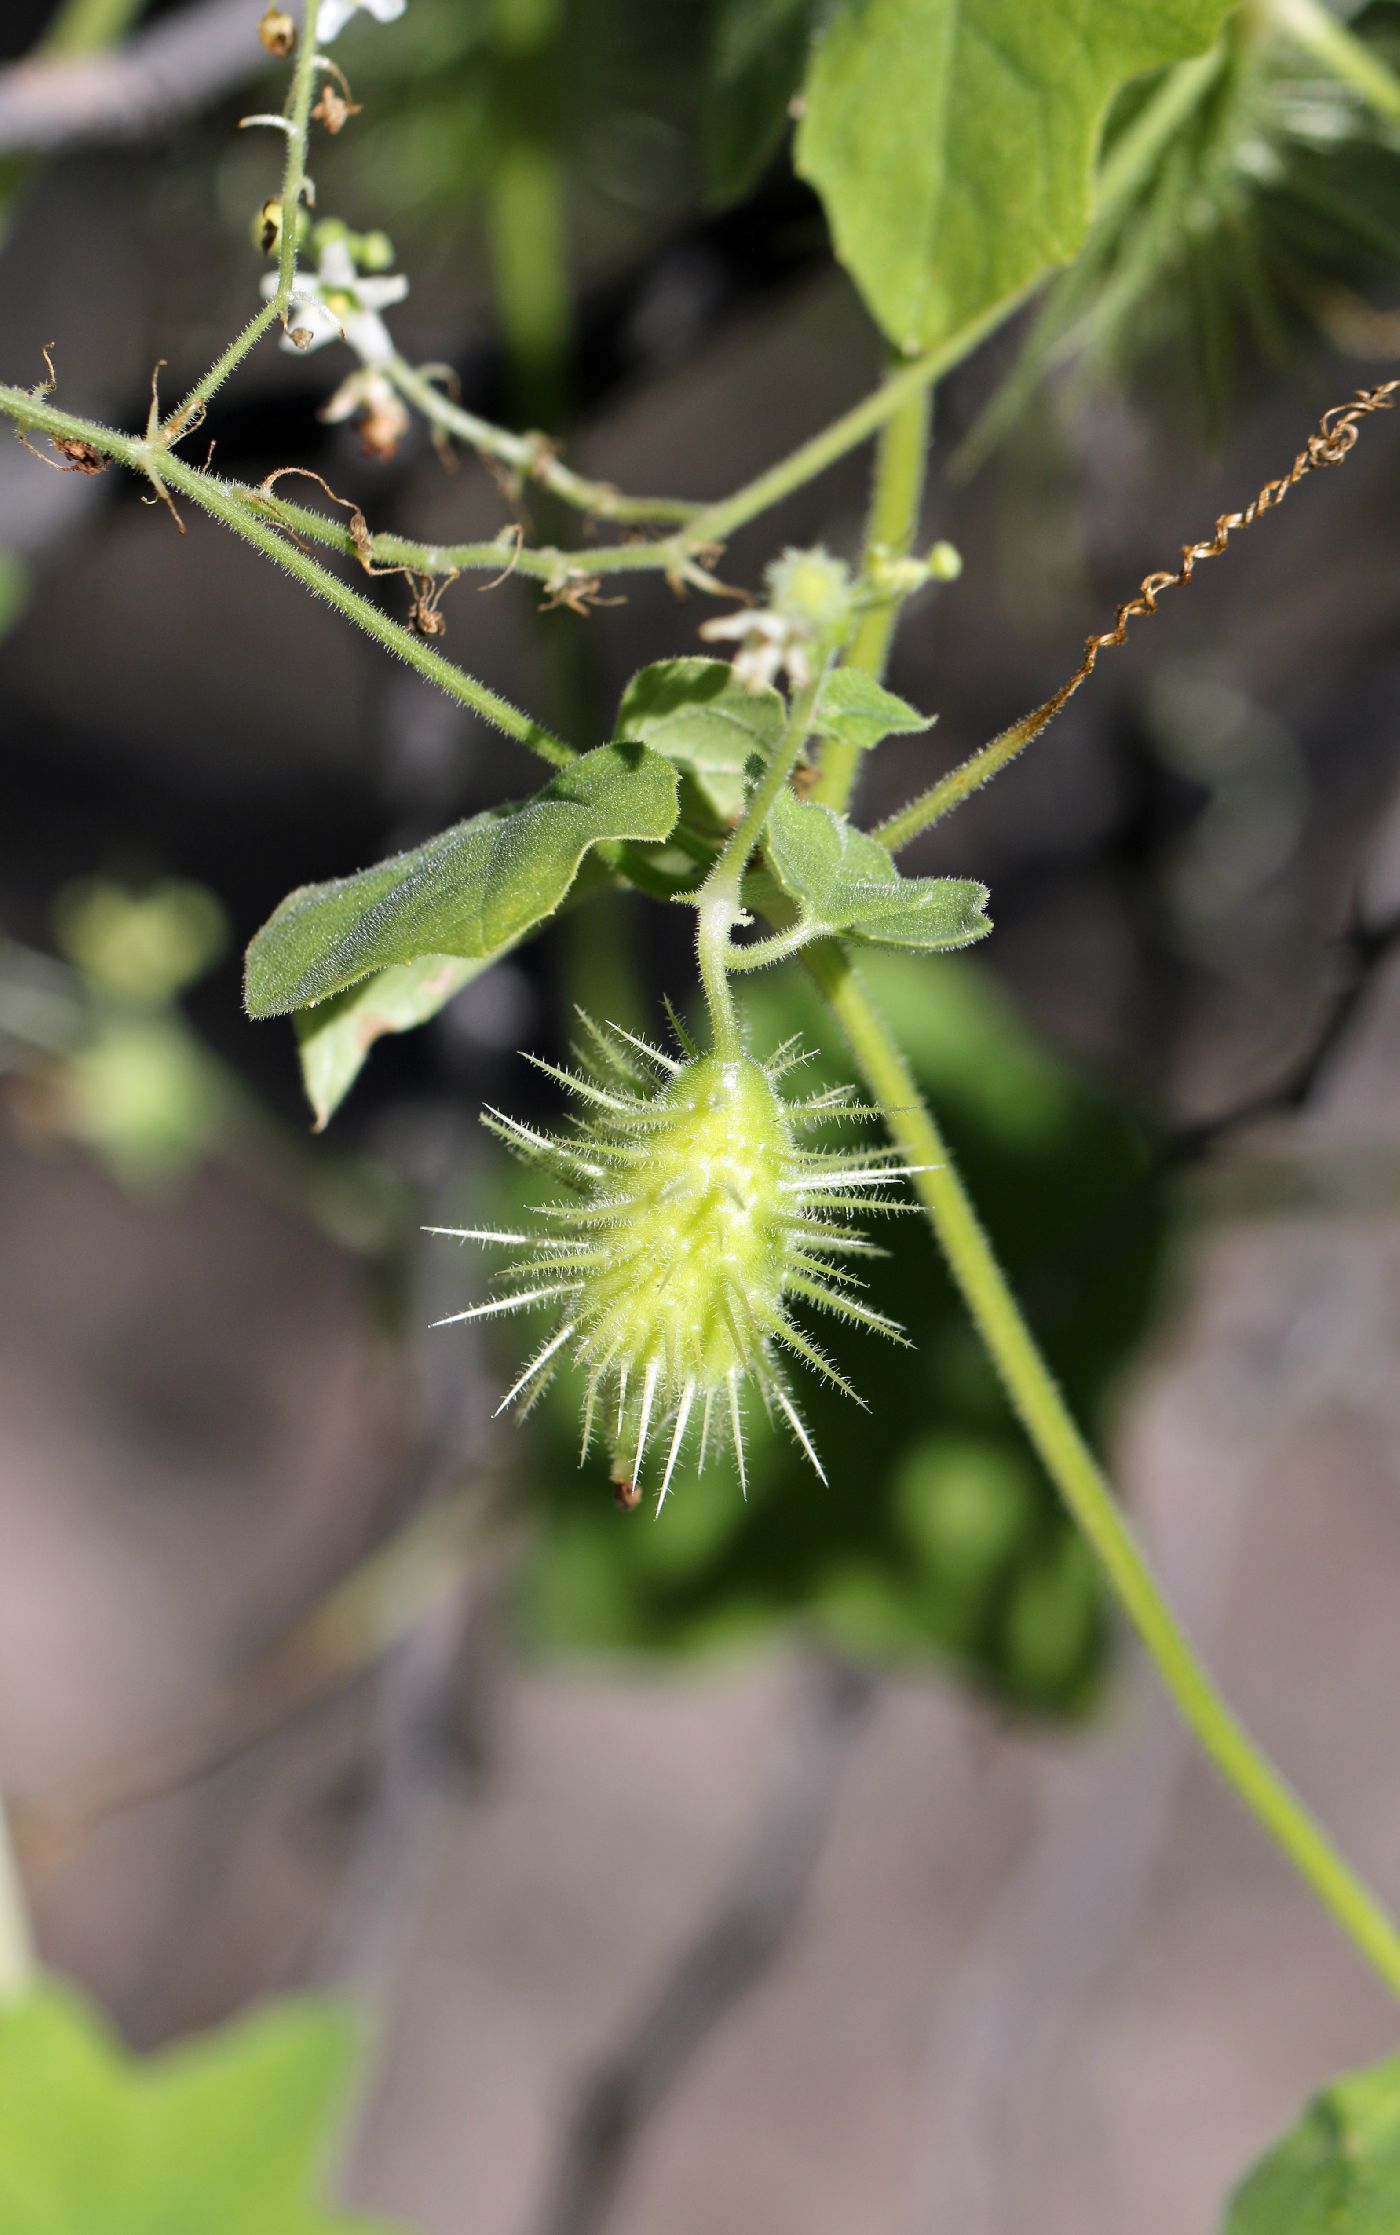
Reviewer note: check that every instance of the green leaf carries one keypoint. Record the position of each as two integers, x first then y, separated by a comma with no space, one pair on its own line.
847,882
755,66
1338,2168
694,713
953,141
471,892
219,2136
334,1039
853,707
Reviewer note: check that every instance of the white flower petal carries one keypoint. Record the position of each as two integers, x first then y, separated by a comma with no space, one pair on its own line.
335,14
369,337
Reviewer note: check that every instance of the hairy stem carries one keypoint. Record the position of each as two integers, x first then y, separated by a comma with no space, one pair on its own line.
716,521
228,505
897,489
1076,1474
17,1964
298,113
718,899
504,554
532,457
969,776
760,953
188,410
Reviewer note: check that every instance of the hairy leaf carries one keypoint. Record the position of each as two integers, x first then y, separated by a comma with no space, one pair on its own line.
953,141
694,713
471,892
853,707
847,882
223,2135
1339,2167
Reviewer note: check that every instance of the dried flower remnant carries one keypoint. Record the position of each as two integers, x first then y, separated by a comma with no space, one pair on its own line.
278,32
381,415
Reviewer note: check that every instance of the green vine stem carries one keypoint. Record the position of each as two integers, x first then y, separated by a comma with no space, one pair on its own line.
504,554
533,458
17,1963
951,790
298,113
719,898
1330,42
1076,1474
229,506
1330,445
294,185
897,490
715,522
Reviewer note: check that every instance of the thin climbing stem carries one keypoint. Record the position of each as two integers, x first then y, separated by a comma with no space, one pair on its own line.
533,458
897,489
17,1961
503,554
718,899
846,433
187,412
294,181
951,790
761,952
1077,1476
167,473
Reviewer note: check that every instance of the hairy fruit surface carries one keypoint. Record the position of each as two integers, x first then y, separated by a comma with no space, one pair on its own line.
694,1219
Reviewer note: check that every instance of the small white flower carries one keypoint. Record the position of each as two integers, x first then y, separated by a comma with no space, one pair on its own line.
767,646
810,604
335,14
341,304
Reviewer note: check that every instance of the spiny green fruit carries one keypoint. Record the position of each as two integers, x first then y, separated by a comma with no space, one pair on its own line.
694,1220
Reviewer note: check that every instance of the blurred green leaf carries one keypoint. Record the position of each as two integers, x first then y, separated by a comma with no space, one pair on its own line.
143,946
224,2135
14,590
755,65
694,713
853,707
937,1534
471,892
1337,2169
848,882
142,1094
953,141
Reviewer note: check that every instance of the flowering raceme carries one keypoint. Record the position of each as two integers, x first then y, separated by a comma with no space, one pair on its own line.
693,1220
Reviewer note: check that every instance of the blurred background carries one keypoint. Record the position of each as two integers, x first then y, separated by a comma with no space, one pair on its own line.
828,1863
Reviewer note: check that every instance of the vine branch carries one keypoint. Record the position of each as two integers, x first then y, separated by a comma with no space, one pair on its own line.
1333,440
1073,1469
229,506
